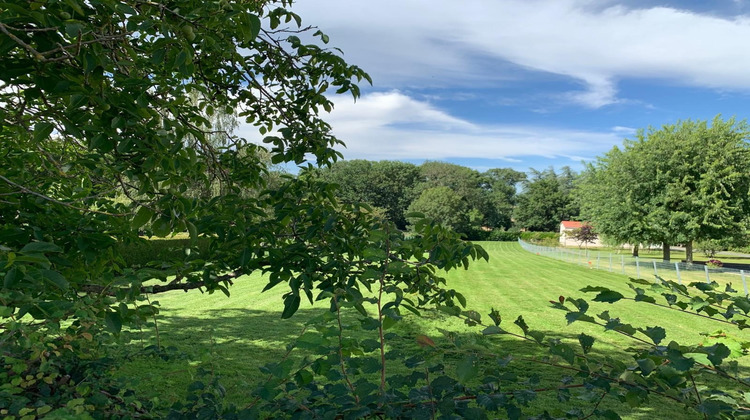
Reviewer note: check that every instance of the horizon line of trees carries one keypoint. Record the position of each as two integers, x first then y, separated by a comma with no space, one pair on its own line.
468,201
685,184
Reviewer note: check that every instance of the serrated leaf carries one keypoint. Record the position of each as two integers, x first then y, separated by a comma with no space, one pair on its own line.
592,289
647,365
572,317
12,277
717,353
538,336
495,317
522,324
491,330
586,342
563,350
656,334
467,369
743,304
609,296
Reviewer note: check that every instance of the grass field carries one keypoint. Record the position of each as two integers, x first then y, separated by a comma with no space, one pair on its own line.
235,336
620,261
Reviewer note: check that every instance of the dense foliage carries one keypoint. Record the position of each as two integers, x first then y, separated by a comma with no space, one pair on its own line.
675,185
388,185
546,200
105,126
479,202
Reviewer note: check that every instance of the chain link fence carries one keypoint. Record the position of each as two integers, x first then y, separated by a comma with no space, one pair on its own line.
642,267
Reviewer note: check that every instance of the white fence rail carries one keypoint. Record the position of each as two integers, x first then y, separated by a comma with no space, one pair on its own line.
642,267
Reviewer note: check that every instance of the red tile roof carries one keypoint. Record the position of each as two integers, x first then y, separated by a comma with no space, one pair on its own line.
569,224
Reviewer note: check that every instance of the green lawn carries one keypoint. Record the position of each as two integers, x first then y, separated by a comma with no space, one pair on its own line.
236,335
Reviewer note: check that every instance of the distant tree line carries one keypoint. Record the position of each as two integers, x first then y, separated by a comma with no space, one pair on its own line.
686,184
468,201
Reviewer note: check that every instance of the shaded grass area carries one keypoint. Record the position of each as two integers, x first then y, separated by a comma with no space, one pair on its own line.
234,336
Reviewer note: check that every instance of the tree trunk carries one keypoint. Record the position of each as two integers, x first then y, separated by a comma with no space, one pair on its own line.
689,252
635,250
666,252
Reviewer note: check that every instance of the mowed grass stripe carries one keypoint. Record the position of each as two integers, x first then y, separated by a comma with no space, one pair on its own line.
237,335
517,282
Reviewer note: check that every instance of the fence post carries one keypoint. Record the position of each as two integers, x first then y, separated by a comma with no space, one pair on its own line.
598,257
622,263
677,269
656,273
744,283
708,279
637,268
610,262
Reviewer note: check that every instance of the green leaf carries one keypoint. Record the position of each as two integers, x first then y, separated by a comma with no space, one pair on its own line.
609,296
42,130
141,217
55,278
743,304
647,365
249,26
291,304
467,369
572,317
522,324
495,317
594,289
563,350
717,353
12,277
113,321
41,247
538,336
492,329
586,342
656,334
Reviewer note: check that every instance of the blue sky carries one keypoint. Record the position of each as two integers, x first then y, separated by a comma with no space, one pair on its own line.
530,83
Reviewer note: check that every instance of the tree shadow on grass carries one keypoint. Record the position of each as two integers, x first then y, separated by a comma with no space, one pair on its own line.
231,343
234,343
520,352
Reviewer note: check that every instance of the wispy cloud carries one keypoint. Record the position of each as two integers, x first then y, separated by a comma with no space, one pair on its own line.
409,42
392,125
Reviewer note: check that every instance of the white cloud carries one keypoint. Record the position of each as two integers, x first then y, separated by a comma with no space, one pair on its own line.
419,43
394,126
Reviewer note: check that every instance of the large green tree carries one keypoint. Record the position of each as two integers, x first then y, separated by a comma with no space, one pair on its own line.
489,196
446,207
500,184
108,121
605,196
674,185
545,200
388,185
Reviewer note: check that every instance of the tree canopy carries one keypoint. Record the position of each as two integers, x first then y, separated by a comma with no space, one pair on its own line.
674,185
389,185
108,121
545,200
106,125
